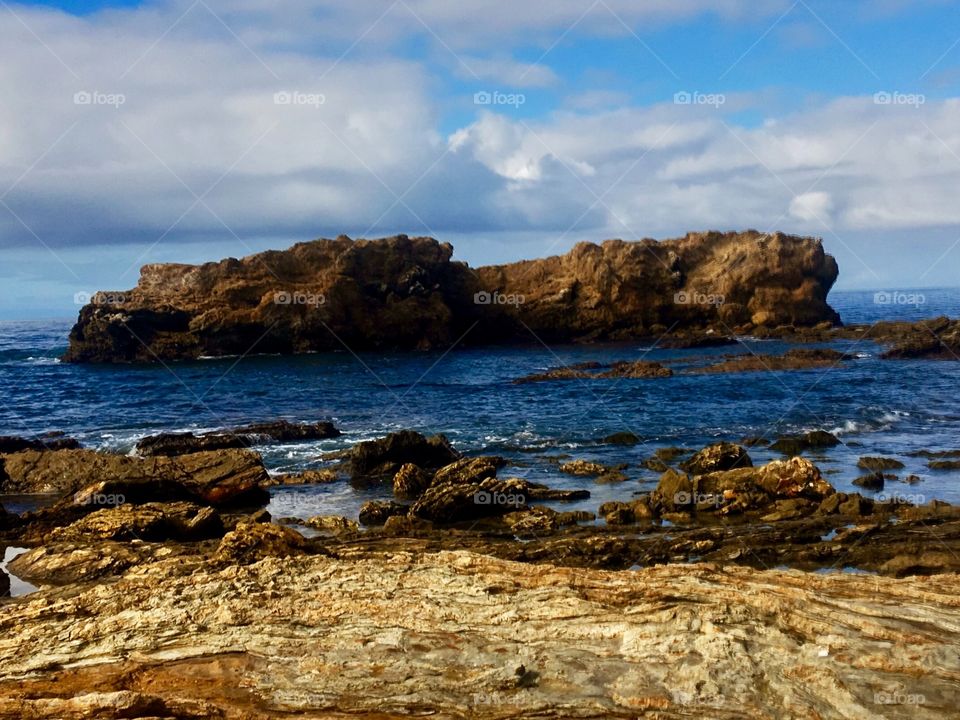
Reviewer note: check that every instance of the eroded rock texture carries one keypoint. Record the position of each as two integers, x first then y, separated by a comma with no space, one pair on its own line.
459,635
407,293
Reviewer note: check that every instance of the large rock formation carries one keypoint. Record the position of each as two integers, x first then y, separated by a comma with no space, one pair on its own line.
407,293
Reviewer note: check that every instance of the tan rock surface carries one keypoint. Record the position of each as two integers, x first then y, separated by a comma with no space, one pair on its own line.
458,635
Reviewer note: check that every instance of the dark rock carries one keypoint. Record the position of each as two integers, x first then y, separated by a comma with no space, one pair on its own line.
873,481
797,359
383,457
621,438
944,464
541,492
280,431
4,584
931,562
455,502
877,464
936,339
721,456
796,444
410,482
603,473
10,444
595,371
376,512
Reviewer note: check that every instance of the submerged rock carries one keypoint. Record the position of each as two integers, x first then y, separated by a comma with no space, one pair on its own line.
595,371
878,464
602,473
797,444
280,431
796,359
408,293
377,512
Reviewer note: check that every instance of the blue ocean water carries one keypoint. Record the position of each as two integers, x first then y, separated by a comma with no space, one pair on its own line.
876,407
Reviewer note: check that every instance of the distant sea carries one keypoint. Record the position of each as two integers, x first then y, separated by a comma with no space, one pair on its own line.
876,407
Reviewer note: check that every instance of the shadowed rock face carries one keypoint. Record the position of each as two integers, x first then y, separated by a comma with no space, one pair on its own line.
407,293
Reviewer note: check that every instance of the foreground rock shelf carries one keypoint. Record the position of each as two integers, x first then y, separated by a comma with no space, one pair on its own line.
463,635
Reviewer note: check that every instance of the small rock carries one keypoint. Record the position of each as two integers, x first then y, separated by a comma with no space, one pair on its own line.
876,464
721,456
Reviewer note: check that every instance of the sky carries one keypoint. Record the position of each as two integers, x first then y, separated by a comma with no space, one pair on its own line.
192,130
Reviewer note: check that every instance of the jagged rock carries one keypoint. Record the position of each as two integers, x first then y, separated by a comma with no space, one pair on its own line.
250,542
222,477
674,491
796,477
469,470
720,456
377,512
936,339
150,522
407,293
455,502
280,431
410,482
383,457
878,464
307,477
335,524
62,563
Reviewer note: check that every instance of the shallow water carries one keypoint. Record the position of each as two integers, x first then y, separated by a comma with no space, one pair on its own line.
875,407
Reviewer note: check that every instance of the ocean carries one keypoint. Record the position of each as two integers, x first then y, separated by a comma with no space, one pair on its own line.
876,407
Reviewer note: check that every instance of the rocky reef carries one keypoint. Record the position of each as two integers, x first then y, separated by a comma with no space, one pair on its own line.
407,293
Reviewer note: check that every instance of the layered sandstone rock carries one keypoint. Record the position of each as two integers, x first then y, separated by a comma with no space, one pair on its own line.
460,635
407,293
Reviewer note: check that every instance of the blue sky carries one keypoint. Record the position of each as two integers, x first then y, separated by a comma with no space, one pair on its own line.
190,130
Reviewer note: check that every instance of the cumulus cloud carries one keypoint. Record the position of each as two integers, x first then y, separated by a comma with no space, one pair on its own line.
188,120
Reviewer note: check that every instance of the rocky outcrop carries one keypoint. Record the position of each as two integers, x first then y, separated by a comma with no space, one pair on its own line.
280,431
382,458
795,359
407,293
936,339
636,370
221,477
457,635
